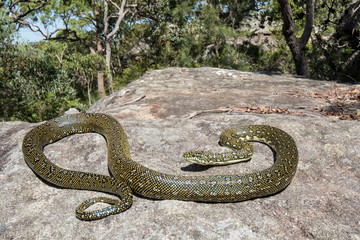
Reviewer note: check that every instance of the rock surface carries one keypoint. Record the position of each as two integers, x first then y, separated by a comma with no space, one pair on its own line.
168,112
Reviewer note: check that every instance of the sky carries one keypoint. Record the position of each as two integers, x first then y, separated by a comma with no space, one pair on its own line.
26,35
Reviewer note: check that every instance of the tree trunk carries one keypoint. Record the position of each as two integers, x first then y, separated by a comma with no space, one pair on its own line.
298,53
99,50
107,47
108,58
121,13
352,65
297,45
88,81
101,86
217,55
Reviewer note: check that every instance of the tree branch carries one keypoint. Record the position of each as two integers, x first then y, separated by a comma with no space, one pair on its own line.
309,22
287,16
21,15
106,22
116,4
121,14
349,18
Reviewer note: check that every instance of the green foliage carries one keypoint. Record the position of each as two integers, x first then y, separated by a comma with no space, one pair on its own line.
129,74
195,34
32,88
40,81
335,40
84,68
277,60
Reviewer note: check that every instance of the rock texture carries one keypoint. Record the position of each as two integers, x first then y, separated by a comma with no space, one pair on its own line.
168,112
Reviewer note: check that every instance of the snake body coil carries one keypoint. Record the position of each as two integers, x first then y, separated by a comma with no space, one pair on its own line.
130,176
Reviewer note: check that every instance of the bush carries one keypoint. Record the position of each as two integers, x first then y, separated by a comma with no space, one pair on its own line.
32,88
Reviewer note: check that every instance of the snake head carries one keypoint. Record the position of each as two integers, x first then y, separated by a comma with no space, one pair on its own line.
197,157
208,158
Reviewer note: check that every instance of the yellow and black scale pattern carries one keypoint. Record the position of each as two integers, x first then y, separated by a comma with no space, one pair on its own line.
130,176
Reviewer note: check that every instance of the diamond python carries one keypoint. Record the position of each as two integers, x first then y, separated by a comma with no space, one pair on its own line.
129,176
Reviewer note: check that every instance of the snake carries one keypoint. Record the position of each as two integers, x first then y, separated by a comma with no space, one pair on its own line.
128,177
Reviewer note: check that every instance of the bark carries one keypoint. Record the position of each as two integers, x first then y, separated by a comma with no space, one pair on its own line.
108,66
297,45
88,83
99,50
107,47
217,54
108,36
353,63
100,81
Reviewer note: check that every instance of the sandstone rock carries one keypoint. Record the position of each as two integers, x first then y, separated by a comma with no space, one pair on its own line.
167,112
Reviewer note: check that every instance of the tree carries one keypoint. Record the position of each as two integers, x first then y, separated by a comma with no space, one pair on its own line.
93,24
297,45
349,28
33,87
335,48
82,68
109,34
197,33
